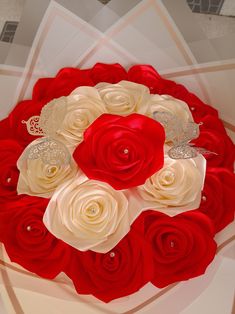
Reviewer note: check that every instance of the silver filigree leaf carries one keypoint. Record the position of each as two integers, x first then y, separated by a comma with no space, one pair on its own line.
204,151
50,151
33,126
170,123
187,150
191,132
182,152
52,116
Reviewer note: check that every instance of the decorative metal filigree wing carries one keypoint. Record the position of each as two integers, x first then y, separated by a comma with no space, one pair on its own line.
33,126
47,122
50,151
180,135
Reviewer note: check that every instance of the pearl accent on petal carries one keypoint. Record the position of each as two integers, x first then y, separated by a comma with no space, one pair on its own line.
172,244
51,170
167,177
28,228
92,211
192,108
8,180
126,151
112,254
204,198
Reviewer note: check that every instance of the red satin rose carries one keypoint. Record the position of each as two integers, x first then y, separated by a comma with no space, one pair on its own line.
183,245
66,80
198,108
29,243
118,273
147,75
10,207
123,151
10,151
5,129
218,197
213,137
110,73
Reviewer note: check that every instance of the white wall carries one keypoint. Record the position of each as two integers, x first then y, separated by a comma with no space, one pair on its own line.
10,10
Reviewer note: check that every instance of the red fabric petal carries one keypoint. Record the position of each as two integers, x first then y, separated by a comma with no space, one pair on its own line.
219,201
110,277
110,73
182,246
36,249
122,151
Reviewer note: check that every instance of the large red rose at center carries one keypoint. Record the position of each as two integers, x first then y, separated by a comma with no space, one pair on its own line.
122,151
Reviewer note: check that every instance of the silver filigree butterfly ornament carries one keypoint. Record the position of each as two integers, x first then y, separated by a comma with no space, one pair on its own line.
180,135
46,124
49,149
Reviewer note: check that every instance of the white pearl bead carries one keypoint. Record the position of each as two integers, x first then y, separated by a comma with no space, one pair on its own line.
92,211
112,254
204,198
28,228
172,244
192,108
51,170
126,151
8,180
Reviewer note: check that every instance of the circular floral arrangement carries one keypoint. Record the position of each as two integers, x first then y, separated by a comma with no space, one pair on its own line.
115,178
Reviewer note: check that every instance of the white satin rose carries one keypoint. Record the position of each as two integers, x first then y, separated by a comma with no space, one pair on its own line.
169,104
66,118
40,179
124,97
177,184
88,215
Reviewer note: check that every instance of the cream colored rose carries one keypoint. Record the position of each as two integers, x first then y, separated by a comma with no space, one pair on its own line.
167,103
39,179
88,215
124,97
66,118
178,183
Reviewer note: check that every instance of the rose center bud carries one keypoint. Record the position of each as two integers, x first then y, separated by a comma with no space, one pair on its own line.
92,211
51,171
122,153
33,228
121,150
171,245
111,261
167,177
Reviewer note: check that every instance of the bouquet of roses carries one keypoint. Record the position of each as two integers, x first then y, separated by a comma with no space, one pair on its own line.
115,178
